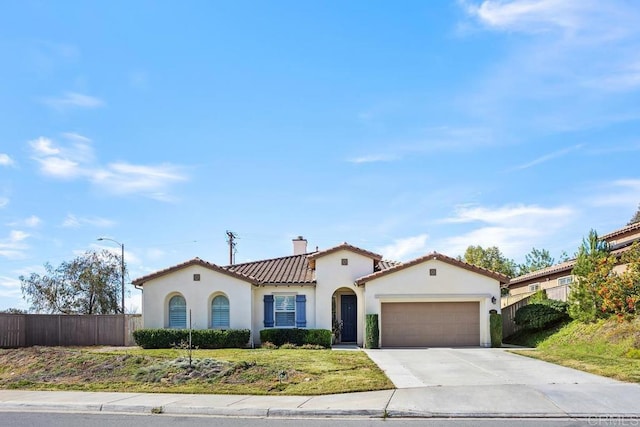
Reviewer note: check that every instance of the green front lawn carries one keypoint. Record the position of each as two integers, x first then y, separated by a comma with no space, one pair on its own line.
228,371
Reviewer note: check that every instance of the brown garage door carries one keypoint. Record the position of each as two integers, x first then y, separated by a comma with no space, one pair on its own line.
430,324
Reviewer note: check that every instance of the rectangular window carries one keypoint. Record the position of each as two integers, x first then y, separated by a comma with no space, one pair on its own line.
567,280
534,287
285,310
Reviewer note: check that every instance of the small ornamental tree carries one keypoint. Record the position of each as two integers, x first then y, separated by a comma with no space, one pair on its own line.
591,270
620,293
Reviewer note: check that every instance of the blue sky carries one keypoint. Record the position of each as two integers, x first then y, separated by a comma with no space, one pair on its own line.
400,127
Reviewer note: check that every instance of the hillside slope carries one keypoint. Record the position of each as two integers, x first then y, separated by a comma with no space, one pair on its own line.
606,347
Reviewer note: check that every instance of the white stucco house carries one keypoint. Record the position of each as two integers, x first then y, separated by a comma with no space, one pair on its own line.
434,300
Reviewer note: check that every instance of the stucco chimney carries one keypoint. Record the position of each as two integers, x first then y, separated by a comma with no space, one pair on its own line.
299,245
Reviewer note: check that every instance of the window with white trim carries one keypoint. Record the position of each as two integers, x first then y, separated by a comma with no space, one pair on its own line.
566,280
177,312
284,307
220,312
534,287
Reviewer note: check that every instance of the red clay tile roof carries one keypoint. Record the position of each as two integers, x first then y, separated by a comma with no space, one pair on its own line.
289,269
558,268
385,264
500,277
195,261
620,231
348,247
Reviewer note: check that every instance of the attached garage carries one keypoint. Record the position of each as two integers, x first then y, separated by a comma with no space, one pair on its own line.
433,301
430,324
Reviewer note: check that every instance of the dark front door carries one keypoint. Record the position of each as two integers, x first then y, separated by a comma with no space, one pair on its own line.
349,318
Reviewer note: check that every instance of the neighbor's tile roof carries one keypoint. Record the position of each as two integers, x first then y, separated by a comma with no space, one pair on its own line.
400,266
558,268
195,261
620,231
289,269
348,247
386,264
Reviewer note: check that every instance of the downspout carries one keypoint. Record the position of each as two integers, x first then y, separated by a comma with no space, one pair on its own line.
253,288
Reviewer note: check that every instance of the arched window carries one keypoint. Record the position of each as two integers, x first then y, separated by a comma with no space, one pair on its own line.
220,312
177,312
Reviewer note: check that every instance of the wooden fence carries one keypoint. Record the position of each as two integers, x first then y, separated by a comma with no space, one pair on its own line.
25,330
509,326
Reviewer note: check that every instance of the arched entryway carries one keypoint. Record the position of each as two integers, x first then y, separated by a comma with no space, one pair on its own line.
344,315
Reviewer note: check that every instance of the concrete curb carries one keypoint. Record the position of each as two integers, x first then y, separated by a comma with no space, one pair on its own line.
293,413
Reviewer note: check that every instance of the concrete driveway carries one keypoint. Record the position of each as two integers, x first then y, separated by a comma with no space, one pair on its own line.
493,382
409,368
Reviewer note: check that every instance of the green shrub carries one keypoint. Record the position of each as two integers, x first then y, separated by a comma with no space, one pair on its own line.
321,337
538,297
200,338
299,337
561,306
372,331
539,316
495,322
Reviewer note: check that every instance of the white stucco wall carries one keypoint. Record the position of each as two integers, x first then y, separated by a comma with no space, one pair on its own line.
452,283
198,295
258,304
331,275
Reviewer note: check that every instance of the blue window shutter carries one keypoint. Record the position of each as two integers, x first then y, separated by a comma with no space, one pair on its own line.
301,311
268,311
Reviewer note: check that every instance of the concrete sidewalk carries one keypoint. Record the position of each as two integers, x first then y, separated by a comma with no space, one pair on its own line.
619,400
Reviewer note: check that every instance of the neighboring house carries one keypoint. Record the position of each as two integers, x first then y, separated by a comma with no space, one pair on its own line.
433,300
556,280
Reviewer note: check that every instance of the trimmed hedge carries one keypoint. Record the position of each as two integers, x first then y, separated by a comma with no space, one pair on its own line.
200,338
541,316
495,322
372,331
297,336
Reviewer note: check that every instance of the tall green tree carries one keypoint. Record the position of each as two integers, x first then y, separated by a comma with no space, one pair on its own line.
636,217
536,260
490,258
88,284
591,270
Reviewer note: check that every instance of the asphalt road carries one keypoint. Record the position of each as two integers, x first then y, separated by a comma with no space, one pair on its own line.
39,419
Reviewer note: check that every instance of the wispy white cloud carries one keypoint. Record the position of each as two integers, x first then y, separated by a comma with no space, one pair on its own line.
31,222
510,214
43,147
9,287
512,228
374,158
73,221
126,178
14,245
568,58
3,202
530,15
431,140
5,160
73,100
624,193
77,160
547,157
406,248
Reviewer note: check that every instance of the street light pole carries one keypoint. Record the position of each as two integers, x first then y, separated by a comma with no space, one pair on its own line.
124,323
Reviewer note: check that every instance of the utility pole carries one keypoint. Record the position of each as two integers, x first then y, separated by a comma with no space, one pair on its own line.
231,236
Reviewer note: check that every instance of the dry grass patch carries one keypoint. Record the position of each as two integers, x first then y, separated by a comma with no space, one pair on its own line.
228,371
